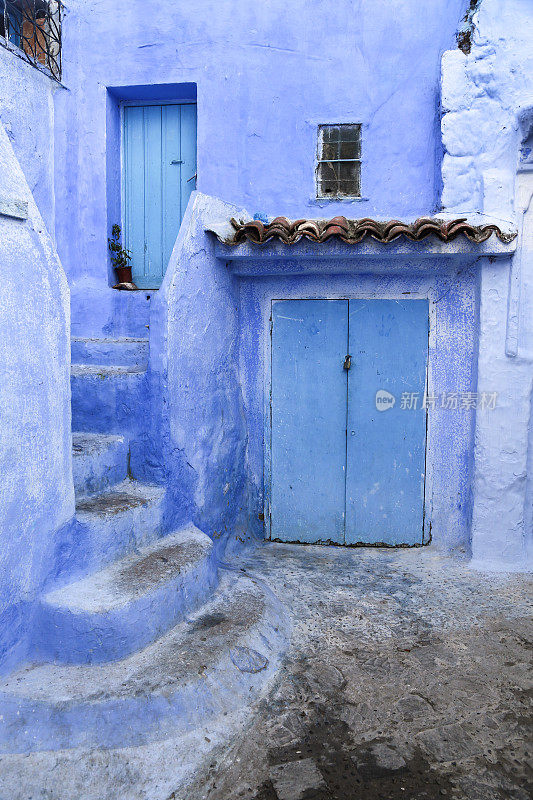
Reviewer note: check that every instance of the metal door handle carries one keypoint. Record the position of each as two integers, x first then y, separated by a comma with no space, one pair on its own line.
176,161
347,363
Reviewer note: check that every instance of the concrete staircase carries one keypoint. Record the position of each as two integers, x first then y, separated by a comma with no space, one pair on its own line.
212,662
140,639
99,461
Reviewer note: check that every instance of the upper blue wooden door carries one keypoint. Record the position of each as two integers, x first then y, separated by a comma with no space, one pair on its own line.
159,176
309,340
343,471
386,448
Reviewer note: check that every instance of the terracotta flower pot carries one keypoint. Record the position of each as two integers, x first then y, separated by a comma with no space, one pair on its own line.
124,274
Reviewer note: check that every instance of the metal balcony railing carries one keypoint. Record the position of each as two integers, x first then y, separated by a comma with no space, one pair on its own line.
34,28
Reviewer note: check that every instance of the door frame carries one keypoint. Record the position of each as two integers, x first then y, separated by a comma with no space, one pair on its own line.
430,385
141,104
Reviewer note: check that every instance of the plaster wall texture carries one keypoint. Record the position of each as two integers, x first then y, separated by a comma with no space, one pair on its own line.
266,74
36,492
198,438
487,99
27,114
484,97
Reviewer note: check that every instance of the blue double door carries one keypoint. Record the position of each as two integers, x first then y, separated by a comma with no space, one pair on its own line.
348,431
159,175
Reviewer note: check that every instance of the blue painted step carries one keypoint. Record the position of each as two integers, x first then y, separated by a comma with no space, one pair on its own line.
112,525
219,660
98,462
127,605
125,351
107,399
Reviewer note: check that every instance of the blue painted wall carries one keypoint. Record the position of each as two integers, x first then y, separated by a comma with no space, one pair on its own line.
36,488
198,435
36,491
27,114
266,75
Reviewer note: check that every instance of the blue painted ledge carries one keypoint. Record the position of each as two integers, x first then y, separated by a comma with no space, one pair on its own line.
275,257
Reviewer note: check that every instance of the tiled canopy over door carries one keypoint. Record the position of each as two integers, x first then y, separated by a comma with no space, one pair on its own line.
346,468
159,176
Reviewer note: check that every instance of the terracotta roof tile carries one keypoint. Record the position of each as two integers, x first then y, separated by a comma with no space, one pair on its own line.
353,231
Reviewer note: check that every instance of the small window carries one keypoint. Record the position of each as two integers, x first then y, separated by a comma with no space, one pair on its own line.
34,26
339,161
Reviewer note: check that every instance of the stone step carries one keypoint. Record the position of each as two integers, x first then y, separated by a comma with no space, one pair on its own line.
112,525
107,399
125,351
99,461
119,609
219,660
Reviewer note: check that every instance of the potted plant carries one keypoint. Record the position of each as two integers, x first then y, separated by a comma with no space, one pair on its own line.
121,260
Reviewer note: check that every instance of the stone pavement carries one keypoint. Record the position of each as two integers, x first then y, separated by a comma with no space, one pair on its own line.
407,677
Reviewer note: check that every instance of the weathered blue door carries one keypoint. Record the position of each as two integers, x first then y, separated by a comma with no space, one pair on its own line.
348,436
309,340
386,440
159,176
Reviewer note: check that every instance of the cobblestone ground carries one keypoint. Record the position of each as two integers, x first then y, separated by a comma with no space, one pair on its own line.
407,678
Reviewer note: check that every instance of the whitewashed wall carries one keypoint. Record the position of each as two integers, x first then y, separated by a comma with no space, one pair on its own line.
487,103
36,488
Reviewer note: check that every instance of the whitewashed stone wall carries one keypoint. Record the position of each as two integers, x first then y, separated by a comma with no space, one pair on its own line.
487,104
487,97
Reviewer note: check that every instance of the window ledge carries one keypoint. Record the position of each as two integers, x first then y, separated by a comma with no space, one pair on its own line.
41,68
324,201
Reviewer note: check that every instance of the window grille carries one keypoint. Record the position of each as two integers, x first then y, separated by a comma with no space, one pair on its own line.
34,27
339,161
